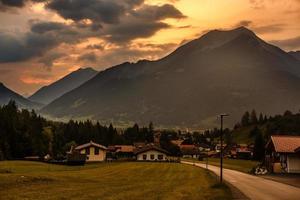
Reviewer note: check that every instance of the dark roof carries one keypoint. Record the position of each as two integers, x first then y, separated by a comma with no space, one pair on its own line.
91,143
190,151
150,147
203,145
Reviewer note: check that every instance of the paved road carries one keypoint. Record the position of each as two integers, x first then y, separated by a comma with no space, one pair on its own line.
255,187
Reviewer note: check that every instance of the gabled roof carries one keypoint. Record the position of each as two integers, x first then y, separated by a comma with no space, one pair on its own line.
91,143
124,148
150,147
285,143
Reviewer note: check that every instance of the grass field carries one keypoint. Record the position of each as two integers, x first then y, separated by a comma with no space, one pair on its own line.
236,164
128,180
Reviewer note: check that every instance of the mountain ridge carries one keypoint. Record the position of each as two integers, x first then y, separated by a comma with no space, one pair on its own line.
48,93
7,94
192,85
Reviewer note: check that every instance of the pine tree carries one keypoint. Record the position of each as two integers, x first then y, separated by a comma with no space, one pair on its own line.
253,119
245,119
259,147
261,118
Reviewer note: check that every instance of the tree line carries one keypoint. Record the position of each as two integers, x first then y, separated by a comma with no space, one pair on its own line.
25,133
261,127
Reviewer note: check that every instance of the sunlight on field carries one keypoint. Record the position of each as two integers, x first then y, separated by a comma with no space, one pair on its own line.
33,180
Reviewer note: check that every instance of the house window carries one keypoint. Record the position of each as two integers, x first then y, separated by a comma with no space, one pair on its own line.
96,151
152,156
160,157
145,157
87,151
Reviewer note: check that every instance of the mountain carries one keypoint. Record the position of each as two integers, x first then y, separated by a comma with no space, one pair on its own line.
48,93
6,95
222,71
296,54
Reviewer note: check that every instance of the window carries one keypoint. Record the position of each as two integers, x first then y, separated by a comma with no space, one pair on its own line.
96,151
160,157
87,151
152,156
145,157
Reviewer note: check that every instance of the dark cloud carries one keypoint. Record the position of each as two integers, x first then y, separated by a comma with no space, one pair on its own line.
245,23
42,27
290,44
43,37
50,58
95,46
13,3
90,57
13,49
10,4
98,11
156,13
114,21
134,29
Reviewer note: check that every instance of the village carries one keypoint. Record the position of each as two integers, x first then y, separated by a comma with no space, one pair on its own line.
281,153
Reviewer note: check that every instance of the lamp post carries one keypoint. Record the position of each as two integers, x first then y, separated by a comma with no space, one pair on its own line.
221,151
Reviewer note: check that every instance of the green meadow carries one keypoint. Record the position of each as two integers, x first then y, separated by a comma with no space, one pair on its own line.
124,180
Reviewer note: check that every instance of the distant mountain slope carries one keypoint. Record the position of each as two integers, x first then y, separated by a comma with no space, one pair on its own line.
223,71
296,54
6,95
48,93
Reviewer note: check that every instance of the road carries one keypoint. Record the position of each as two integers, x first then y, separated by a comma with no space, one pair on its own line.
255,187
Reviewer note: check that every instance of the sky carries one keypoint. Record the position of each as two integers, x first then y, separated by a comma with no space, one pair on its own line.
43,40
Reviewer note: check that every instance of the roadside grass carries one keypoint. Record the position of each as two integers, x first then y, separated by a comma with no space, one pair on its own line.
236,164
128,180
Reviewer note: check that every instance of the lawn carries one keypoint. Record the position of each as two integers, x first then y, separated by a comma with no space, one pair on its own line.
236,164
128,180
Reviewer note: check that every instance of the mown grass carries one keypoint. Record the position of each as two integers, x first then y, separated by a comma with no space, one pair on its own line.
235,164
128,180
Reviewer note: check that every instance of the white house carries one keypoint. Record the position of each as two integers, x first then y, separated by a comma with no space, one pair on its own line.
151,153
94,152
283,154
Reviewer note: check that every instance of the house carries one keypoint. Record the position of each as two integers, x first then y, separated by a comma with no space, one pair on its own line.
121,151
74,157
204,147
177,142
190,151
283,154
151,152
218,147
94,152
240,151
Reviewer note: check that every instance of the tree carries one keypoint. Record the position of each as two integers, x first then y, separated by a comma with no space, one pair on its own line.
253,119
261,118
259,147
254,132
245,119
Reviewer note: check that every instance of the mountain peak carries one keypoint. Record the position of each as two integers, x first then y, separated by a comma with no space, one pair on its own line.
85,69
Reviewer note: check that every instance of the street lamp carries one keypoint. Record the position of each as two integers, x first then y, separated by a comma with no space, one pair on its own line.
221,152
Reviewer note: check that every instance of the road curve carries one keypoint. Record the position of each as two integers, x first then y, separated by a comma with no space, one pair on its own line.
255,187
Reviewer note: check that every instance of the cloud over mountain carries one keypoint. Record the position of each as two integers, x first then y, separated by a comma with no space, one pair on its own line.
113,21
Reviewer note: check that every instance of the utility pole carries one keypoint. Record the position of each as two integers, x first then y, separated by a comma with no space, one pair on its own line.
221,151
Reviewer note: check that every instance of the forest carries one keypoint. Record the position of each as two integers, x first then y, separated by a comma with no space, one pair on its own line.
25,133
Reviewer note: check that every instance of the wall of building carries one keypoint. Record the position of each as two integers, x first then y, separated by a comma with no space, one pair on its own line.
293,162
92,157
149,153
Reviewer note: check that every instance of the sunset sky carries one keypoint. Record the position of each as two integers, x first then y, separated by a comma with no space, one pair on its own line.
41,41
